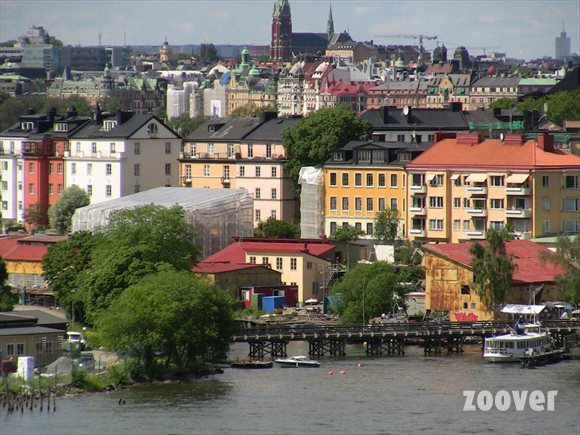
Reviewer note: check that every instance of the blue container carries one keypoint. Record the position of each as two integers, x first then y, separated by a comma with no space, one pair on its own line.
268,304
279,301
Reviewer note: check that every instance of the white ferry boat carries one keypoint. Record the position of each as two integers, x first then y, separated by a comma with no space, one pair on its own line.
297,361
511,347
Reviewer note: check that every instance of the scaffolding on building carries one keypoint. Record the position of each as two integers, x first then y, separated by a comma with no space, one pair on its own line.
311,202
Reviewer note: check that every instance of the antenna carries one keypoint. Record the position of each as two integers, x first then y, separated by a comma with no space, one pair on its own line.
100,38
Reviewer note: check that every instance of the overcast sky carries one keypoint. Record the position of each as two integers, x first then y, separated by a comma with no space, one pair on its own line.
522,28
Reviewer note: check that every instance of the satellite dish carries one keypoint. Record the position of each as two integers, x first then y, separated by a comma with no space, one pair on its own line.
406,110
501,136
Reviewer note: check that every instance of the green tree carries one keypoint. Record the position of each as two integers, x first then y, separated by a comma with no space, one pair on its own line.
184,125
567,257
173,316
492,269
277,229
64,265
208,54
346,233
251,109
367,290
136,243
61,212
33,217
387,225
310,141
111,104
7,298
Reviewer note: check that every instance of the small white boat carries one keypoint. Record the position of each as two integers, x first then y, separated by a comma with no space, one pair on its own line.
297,361
511,347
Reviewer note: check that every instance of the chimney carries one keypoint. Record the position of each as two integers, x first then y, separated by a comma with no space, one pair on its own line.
98,114
440,135
545,142
468,139
409,115
267,116
456,106
513,139
384,111
51,114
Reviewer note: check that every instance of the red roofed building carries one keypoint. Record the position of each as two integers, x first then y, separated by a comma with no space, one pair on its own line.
449,278
353,94
298,261
463,185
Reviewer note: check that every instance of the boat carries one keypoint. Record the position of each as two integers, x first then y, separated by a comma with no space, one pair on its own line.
527,340
297,361
252,365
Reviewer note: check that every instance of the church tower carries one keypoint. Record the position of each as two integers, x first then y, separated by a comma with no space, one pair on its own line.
281,46
330,25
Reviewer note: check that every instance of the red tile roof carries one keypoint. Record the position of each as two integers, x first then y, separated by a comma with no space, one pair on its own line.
11,250
529,267
211,267
492,154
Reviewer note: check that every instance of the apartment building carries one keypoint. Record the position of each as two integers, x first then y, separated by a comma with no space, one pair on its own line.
464,185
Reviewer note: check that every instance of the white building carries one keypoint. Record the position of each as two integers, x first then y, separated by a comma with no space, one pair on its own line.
111,158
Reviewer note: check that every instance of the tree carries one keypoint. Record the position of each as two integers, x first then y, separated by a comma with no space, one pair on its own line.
173,316
33,216
184,125
346,233
277,229
136,243
7,298
567,256
251,109
61,212
310,141
368,290
208,54
65,263
492,269
387,225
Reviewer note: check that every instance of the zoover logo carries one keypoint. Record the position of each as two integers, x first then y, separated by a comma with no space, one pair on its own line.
505,400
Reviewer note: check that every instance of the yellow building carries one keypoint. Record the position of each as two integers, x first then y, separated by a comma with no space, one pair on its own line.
364,178
449,279
462,186
445,89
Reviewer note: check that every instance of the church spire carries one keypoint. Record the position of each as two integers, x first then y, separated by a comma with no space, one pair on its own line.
330,24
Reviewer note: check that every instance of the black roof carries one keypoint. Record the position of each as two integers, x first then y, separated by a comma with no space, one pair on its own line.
393,152
570,82
124,130
271,130
225,129
419,119
309,40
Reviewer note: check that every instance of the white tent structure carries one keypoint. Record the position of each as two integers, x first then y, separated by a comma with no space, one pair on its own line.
216,215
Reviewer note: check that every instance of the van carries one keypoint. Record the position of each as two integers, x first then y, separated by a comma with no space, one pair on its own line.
76,339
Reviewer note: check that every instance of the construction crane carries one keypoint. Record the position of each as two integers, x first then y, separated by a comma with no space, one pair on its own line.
419,37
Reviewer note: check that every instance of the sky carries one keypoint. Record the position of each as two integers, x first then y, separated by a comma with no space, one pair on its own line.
521,28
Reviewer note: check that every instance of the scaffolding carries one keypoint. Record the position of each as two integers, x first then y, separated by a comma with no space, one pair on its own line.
311,202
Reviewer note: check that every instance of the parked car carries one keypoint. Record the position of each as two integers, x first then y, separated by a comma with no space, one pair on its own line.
87,360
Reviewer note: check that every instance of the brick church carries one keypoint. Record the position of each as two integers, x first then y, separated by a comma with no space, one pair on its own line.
287,45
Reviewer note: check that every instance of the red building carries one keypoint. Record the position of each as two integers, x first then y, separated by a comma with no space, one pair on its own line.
281,46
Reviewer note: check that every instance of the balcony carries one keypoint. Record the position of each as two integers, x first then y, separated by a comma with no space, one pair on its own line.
518,190
417,210
477,211
417,232
225,181
476,190
476,234
417,188
518,213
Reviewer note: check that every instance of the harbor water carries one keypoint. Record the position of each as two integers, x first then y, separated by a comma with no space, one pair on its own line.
408,394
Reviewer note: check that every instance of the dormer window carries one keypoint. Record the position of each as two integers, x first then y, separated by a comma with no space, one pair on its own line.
108,125
405,157
339,156
152,128
27,125
61,126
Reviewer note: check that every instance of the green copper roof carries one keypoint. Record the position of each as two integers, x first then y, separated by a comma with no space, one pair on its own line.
281,8
254,72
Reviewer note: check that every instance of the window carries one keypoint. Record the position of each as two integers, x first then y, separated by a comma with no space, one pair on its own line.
242,171
381,204
50,168
358,180
309,265
358,226
465,202
73,168
332,228
167,147
456,225
20,349
370,204
274,171
51,189
78,147
31,189
230,151
258,193
333,178
89,169
167,168
258,172
496,203
394,180
369,180
112,145
364,156
268,151
465,290
4,205
265,261
90,189
345,203
10,349
108,169
571,181
59,168
332,205
137,170
59,189
456,202
345,180
273,214
358,204
436,224
31,168
394,205
250,150
496,225
437,180
571,204
456,180
405,157
545,181
382,181
546,226
279,263
258,215
136,148
400,138
466,225
570,226
546,203
274,194
252,260
436,202
369,228
496,180
94,148
206,170
293,264
108,190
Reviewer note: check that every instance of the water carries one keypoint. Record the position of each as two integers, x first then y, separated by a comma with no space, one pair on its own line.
408,394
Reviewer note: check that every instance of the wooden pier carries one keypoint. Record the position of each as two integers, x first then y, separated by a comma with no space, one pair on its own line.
387,339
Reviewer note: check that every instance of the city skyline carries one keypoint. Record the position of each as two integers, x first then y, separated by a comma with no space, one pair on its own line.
470,23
